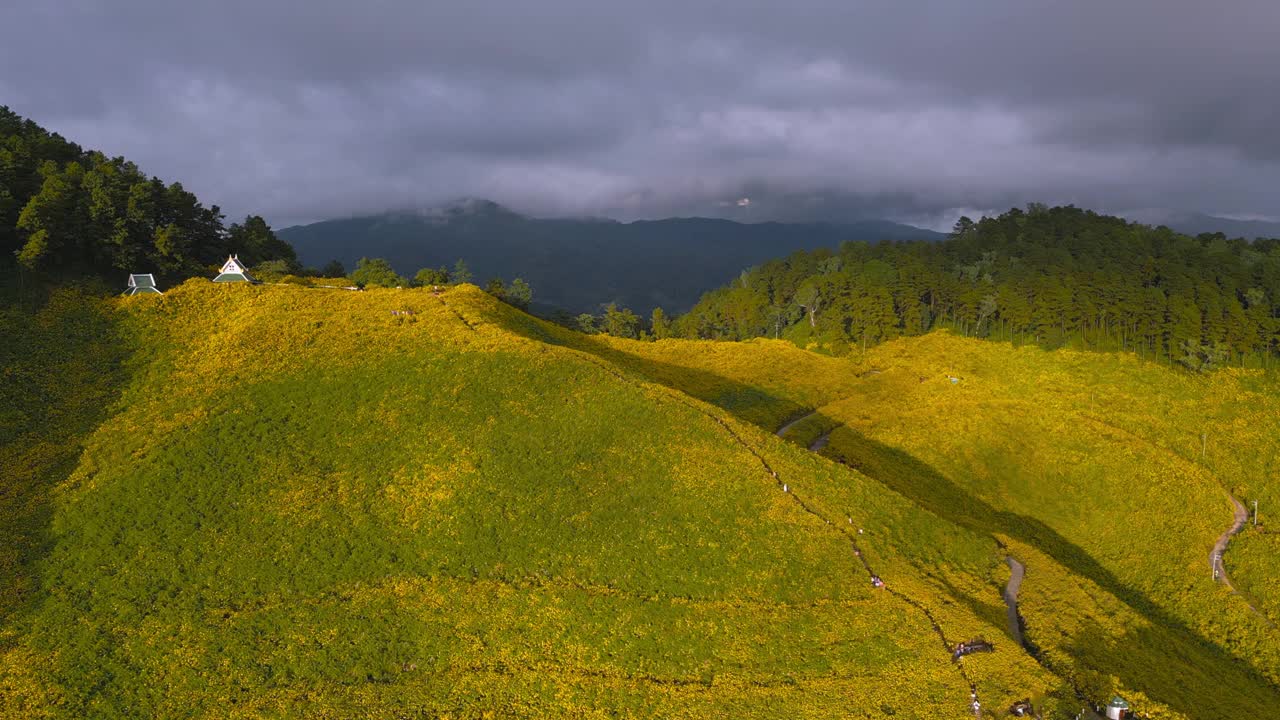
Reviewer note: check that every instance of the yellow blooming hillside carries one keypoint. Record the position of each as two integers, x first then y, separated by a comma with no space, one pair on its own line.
1112,479
302,502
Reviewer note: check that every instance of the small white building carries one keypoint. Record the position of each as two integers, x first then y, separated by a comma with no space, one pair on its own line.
142,284
1117,709
234,271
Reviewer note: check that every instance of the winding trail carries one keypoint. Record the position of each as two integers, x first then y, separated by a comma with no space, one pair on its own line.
1016,572
1239,519
1220,547
793,422
818,442
947,644
1017,569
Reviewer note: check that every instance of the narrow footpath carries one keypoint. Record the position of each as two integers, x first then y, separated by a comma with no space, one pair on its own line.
1240,517
793,422
947,644
1220,547
818,442
1016,572
1220,567
1010,595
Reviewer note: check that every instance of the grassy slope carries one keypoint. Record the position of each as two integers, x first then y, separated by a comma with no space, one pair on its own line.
59,358
306,505
1085,462
1012,449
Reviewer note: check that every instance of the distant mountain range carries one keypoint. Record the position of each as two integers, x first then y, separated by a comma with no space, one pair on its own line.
1193,223
579,264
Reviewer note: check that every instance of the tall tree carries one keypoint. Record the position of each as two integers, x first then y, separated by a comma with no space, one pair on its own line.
519,293
254,241
620,322
659,324
460,274
376,272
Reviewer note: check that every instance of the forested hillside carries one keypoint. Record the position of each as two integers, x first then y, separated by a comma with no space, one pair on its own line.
578,265
67,212
1056,276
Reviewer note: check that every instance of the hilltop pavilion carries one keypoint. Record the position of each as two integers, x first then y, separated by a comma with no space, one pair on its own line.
142,284
233,271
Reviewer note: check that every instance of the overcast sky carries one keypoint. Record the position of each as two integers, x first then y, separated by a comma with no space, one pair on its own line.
910,110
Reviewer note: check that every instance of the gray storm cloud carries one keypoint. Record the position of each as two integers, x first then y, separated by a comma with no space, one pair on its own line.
303,111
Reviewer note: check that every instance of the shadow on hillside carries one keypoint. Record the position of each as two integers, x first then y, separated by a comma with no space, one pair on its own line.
1185,652
63,358
931,490
1196,686
743,401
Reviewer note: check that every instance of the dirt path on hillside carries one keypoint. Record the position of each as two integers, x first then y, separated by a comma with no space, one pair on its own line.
1240,516
1017,569
793,422
1016,575
947,644
1016,572
1220,547
818,442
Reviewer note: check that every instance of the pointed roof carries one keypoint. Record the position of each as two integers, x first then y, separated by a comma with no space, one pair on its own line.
232,265
142,283
1118,702
233,271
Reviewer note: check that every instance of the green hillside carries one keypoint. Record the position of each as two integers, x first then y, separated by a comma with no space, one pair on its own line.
1094,470
304,504
1107,475
282,501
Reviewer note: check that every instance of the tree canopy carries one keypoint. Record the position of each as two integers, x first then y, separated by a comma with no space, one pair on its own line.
376,272
69,211
1055,276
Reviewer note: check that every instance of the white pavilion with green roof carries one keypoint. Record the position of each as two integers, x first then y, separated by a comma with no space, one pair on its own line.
142,284
233,271
1117,709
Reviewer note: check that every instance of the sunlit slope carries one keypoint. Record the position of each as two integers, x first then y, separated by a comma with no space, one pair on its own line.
762,381
319,503
1090,467
1086,459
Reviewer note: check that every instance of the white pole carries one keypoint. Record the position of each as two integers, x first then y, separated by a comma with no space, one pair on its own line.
1255,513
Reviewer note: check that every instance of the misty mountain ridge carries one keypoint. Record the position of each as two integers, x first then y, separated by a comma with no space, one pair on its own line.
579,264
1195,223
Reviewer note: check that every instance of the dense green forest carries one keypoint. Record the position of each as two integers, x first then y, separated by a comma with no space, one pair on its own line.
1057,276
66,211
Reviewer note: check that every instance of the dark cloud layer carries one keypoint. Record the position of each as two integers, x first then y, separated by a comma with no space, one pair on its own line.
305,110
